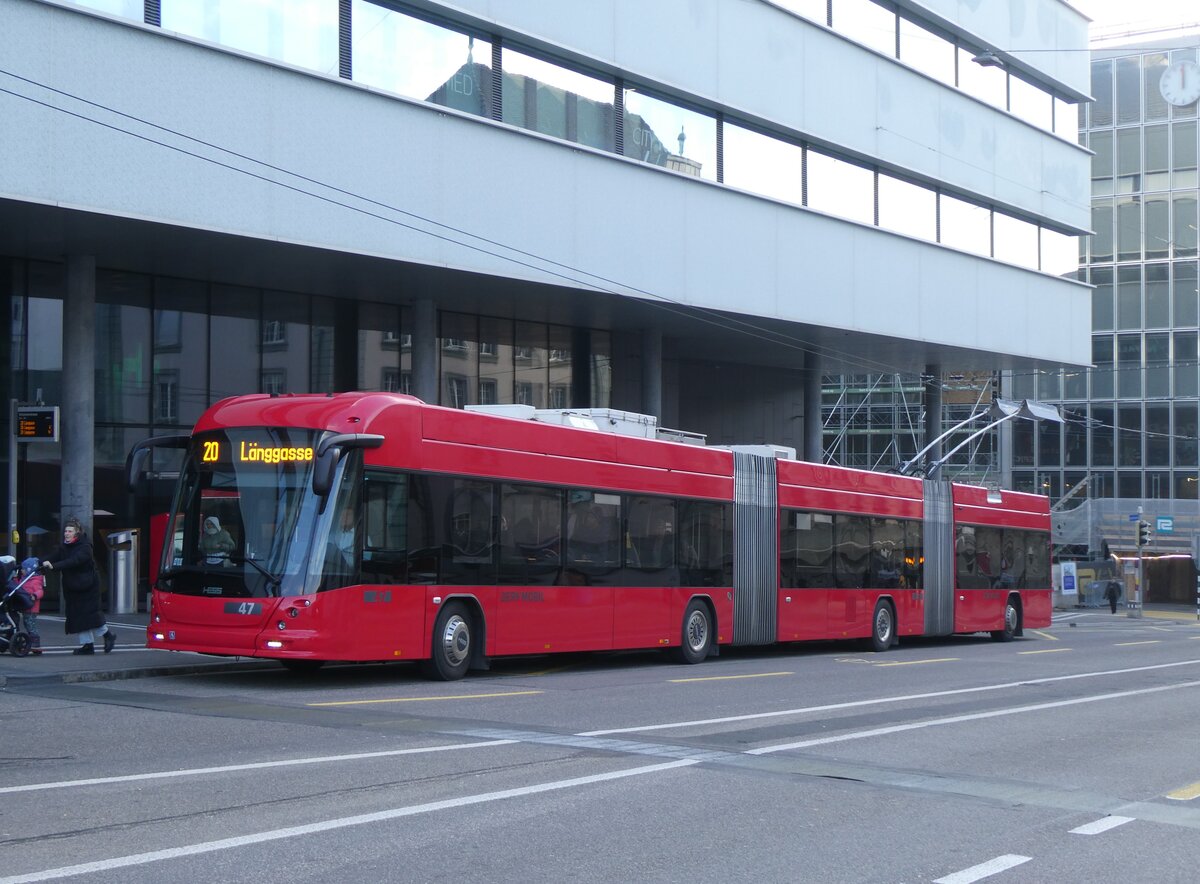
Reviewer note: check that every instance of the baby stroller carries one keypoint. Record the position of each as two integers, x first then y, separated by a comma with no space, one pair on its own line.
13,604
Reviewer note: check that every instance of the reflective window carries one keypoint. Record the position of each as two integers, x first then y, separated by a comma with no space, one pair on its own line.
1129,298
763,165
1102,93
1102,299
1157,233
1185,435
1129,160
1129,438
556,101
910,208
1059,252
1186,223
418,59
1183,143
1190,110
601,369
1030,103
299,32
868,23
530,534
1129,229
1128,90
495,361
669,135
133,9
180,340
927,52
965,225
1066,119
530,353
1158,296
1102,373
284,343
378,347
122,347
1101,144
1102,432
1015,241
559,363
1022,442
1158,360
1156,105
1185,485
840,188
457,347
1129,484
1129,366
1184,363
233,362
323,337
1075,443
1102,240
1185,295
1049,443
1157,170
988,84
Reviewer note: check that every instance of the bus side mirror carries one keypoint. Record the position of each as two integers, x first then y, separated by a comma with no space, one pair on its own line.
329,452
137,455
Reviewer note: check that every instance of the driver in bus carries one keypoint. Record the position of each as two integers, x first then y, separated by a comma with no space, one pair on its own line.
215,542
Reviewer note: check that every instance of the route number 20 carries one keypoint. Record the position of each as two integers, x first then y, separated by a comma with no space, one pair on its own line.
212,451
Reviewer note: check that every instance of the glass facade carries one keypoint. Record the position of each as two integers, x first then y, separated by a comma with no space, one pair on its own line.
1135,409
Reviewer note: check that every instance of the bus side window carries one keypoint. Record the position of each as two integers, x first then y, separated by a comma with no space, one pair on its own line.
385,553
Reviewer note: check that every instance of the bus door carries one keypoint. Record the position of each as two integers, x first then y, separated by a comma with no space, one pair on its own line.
806,575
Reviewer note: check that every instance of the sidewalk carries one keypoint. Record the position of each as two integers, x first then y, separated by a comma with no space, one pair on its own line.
129,659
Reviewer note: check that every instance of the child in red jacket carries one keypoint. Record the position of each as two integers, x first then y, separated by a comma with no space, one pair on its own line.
35,588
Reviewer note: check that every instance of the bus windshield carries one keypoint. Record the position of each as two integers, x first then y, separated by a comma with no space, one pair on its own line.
244,514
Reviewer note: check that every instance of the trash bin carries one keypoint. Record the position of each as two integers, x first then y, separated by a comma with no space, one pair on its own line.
123,571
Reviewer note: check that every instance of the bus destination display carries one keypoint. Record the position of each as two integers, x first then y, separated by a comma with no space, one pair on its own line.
254,452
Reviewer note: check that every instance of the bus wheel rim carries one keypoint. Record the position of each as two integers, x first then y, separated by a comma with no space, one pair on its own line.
697,631
883,623
456,640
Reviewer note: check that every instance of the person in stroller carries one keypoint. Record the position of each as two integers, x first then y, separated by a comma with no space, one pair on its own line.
15,602
35,588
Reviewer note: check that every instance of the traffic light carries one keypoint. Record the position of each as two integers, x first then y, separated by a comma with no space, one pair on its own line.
1143,532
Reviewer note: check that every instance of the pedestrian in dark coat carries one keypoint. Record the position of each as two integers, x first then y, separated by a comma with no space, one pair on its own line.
81,589
1112,592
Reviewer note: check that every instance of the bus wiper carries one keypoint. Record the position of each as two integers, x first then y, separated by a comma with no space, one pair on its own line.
272,580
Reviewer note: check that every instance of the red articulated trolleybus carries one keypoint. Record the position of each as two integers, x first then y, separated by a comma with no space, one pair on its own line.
371,526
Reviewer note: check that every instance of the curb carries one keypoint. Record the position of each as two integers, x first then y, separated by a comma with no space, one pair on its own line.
124,674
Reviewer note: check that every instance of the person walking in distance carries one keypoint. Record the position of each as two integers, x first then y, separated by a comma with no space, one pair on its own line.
81,589
1112,592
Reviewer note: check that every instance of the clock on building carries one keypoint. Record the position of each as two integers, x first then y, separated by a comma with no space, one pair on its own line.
1180,83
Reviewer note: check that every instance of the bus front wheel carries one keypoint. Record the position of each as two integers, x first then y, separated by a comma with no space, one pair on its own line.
697,635
883,626
451,647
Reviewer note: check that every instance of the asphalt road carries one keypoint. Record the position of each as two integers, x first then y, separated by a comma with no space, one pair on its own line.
1068,755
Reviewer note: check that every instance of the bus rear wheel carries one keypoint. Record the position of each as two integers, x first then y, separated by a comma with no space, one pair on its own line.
1012,622
451,647
697,636
883,626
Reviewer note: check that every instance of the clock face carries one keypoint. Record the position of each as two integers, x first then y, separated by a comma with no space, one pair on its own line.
1180,83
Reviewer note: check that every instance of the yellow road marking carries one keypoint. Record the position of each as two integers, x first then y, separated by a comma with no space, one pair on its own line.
426,699
1187,793
1045,651
915,662
551,671
1152,641
1052,638
727,677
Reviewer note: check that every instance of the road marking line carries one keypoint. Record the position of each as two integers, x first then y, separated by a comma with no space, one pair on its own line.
1101,825
140,859
1187,793
1046,651
984,870
878,701
958,719
915,662
1160,629
1152,641
255,765
728,677
1053,638
425,699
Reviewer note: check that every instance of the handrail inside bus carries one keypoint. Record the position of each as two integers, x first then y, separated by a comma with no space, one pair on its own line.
137,454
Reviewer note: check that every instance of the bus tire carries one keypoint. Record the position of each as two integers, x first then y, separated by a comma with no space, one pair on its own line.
696,635
883,626
302,667
1012,622
451,647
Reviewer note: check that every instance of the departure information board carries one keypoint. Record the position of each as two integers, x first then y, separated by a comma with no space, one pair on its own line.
37,423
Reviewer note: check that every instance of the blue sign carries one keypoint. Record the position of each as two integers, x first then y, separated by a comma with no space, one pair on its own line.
1165,524
1133,517
1068,583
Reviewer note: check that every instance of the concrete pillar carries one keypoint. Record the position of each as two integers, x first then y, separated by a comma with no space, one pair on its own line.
345,347
424,351
581,368
78,432
933,410
813,437
652,372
